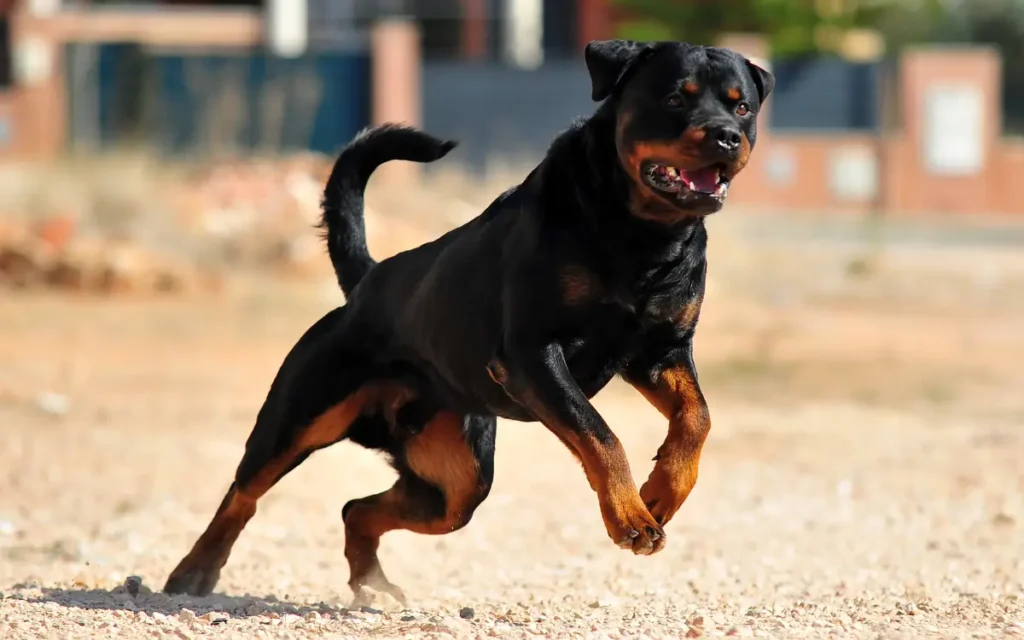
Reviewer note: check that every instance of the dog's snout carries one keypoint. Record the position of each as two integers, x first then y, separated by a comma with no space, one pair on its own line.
726,137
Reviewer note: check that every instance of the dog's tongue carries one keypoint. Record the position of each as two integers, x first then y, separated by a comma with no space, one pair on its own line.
704,180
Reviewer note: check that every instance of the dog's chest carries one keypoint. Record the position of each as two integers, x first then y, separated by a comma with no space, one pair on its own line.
621,325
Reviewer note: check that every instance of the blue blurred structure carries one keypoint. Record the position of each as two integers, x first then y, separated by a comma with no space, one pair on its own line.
826,94
322,98
495,110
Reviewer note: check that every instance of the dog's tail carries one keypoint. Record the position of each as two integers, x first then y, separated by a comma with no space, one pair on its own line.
342,221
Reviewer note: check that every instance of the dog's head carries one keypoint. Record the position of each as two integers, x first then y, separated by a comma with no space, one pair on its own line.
685,120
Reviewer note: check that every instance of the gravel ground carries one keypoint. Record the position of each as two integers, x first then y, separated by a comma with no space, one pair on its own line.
816,515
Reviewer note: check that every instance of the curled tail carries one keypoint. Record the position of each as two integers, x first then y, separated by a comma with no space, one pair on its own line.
342,220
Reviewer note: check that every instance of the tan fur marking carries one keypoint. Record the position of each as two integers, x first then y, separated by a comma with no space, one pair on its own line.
440,455
678,398
330,427
497,371
688,315
578,285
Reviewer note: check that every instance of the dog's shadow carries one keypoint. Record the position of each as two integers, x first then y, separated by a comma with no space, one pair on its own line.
155,603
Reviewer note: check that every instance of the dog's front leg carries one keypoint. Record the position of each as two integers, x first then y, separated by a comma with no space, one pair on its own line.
673,390
539,380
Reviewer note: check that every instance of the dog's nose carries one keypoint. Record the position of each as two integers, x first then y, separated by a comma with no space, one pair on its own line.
726,137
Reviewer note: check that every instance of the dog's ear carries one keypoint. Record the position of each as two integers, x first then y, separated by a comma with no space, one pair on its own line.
764,80
608,61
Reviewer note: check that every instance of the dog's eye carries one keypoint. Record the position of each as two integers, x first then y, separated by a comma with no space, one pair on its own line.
674,101
742,109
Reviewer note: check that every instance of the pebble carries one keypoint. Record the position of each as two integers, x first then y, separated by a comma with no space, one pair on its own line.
467,613
215,617
54,404
132,585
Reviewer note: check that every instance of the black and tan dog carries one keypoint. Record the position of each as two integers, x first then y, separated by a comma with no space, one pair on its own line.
593,267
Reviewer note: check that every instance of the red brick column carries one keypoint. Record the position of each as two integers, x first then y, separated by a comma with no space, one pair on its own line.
395,51
474,29
594,21
927,75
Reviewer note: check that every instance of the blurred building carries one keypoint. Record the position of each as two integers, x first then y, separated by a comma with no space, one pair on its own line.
205,75
922,131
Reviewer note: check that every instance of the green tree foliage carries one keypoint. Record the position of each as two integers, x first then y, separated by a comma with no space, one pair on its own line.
793,27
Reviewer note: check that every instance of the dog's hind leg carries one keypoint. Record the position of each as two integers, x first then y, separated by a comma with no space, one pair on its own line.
319,392
445,472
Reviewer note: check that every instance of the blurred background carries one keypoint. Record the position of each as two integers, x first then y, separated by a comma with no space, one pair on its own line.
860,345
907,111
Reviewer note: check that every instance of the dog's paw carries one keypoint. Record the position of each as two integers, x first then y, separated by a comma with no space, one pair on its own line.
632,527
192,581
666,490
389,598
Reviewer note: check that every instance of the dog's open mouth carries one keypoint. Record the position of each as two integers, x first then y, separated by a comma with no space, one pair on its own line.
710,181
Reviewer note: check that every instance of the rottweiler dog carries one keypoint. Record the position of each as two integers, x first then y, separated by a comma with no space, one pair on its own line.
593,267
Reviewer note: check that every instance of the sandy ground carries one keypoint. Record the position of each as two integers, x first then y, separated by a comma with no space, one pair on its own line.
864,476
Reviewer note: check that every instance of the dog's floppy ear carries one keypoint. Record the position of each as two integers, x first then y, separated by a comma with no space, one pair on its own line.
764,80
608,61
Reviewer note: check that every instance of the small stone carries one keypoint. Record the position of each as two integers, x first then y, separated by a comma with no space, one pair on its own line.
132,584
313,616
694,632
467,613
604,602
290,618
54,404
215,617
186,616
1003,519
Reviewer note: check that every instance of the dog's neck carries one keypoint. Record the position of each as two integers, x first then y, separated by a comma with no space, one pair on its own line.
590,191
